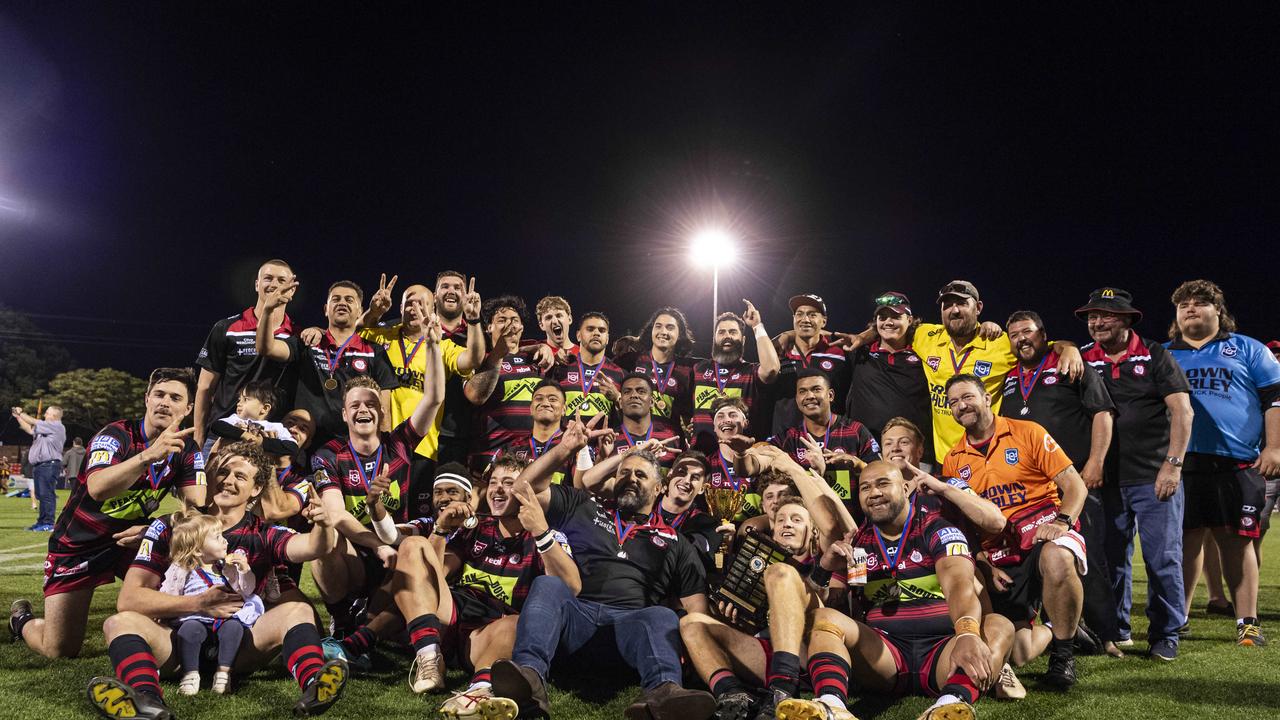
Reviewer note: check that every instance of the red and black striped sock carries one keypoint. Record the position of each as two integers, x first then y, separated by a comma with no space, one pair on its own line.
481,675
784,673
424,631
359,642
962,687
135,665
302,654
829,674
723,682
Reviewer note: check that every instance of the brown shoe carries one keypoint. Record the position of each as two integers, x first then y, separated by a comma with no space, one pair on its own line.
669,701
521,685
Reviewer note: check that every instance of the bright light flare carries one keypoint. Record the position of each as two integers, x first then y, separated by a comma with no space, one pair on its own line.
713,248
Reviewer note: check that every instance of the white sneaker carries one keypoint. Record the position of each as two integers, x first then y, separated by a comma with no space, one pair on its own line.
427,672
221,681
466,703
190,683
948,709
1008,686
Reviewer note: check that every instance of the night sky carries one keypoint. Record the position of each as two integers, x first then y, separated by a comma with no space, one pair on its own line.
152,154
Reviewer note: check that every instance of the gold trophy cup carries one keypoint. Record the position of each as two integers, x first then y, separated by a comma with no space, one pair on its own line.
725,503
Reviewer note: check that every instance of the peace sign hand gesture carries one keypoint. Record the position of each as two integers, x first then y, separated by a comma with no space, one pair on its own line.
471,304
380,303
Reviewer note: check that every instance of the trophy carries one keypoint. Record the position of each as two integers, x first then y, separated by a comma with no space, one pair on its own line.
724,503
743,585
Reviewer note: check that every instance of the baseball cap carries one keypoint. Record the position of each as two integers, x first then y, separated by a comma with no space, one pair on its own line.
961,288
895,301
813,300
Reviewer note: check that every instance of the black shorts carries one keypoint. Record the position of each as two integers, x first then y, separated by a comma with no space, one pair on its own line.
1220,493
915,658
422,474
472,610
1021,602
374,573
86,569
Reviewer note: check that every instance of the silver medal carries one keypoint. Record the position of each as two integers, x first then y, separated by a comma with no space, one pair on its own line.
1024,410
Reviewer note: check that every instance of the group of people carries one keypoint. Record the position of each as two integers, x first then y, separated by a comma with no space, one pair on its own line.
922,506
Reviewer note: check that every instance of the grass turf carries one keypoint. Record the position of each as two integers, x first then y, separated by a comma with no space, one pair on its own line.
1212,677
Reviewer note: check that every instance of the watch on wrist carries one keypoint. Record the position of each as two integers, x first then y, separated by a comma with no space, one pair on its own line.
1064,518
1174,461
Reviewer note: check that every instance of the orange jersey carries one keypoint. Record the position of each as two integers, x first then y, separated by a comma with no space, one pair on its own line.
1017,469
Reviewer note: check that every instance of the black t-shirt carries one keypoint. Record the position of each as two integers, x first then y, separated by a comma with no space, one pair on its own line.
1138,383
696,527
458,415
359,357
231,351
1065,407
886,384
652,563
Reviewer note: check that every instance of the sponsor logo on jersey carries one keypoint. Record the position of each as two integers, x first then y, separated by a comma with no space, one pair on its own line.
826,364
572,377
1051,380
1228,351
99,457
1139,369
933,362
960,549
1011,456
144,550
965,472
949,535
105,442
359,364
982,368
1050,445
916,557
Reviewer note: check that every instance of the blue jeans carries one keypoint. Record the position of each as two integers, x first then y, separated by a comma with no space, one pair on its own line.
552,618
1133,508
45,477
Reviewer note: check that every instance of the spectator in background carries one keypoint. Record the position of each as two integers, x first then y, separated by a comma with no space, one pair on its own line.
47,438
73,458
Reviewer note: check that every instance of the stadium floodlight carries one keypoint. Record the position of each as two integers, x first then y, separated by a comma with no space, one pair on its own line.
713,247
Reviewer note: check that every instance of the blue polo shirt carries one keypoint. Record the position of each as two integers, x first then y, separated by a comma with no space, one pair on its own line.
1233,379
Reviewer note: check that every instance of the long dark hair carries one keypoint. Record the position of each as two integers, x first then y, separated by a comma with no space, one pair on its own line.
684,336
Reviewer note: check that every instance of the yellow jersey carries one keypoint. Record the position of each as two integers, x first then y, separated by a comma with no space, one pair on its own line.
410,365
990,360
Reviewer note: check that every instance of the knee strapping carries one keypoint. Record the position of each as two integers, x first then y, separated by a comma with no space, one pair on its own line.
829,627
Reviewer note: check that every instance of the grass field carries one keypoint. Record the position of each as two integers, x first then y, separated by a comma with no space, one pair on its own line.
1211,679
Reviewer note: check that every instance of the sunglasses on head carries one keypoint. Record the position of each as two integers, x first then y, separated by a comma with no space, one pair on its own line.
890,301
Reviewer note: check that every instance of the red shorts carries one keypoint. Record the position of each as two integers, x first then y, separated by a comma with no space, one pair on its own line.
68,572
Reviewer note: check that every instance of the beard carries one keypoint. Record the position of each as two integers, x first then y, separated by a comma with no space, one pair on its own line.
633,503
727,357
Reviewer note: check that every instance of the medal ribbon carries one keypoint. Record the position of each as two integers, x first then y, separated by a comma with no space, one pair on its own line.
957,365
408,356
333,362
728,470
537,449
719,383
632,441
620,530
208,581
892,560
660,377
377,463
1026,388
655,518
151,469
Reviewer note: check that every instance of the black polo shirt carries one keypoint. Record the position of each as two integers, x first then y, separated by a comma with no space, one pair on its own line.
652,563
230,350
359,357
1063,406
885,384
456,423
1138,383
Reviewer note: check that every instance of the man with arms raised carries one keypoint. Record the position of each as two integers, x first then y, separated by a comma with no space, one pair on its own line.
631,563
1235,391
229,358
141,647
923,633
340,355
728,375
132,465
1039,557
344,471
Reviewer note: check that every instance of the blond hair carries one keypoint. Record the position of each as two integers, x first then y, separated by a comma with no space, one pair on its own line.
187,541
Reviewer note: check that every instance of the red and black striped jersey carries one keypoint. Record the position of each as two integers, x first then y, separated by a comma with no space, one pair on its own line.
502,567
265,546
525,446
581,391
339,468
505,415
672,383
723,475
711,380
830,359
86,523
659,429
230,350
358,357
920,611
842,433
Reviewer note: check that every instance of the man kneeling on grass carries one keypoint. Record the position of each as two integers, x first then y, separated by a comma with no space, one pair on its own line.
140,646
